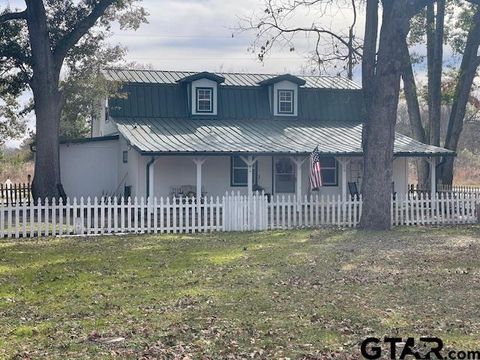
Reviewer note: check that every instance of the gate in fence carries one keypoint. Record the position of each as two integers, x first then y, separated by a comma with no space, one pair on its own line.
231,212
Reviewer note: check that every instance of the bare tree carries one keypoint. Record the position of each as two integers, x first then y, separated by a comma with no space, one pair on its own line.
435,38
381,81
381,71
339,50
414,114
467,72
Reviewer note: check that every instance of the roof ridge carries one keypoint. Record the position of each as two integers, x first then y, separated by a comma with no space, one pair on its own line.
227,73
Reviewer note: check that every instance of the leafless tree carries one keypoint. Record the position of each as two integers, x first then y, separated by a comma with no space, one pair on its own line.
333,49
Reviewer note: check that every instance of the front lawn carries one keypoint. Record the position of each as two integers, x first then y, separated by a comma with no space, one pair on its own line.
298,294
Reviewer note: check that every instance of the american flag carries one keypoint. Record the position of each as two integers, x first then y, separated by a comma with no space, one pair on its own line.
315,170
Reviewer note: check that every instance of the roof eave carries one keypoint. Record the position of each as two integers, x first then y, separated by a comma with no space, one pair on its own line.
89,139
285,77
203,75
270,153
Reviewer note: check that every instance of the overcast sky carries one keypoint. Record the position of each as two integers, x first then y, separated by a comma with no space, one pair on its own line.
197,35
201,35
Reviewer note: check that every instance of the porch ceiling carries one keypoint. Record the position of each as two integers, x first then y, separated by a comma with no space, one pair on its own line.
215,136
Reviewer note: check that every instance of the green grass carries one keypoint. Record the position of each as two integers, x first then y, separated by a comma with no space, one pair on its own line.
294,294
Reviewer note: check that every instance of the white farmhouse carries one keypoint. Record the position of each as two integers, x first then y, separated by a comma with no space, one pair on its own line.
179,132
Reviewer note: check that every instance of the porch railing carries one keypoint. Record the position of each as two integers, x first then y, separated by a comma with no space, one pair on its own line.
231,212
474,190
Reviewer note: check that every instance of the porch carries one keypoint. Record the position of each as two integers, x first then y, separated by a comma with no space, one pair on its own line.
177,157
282,174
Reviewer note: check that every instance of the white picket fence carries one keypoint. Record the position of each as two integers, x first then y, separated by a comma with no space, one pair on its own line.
445,208
232,212
459,189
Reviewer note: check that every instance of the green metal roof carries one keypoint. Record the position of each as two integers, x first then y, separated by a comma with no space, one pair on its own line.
170,101
164,136
231,79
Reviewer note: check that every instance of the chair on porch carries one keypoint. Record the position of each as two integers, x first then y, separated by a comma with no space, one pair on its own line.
352,188
354,194
187,191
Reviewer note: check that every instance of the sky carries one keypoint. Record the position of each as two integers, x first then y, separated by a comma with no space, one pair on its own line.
202,35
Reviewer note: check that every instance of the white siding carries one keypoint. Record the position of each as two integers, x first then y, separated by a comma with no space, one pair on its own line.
400,175
101,126
285,85
129,174
95,168
89,169
206,83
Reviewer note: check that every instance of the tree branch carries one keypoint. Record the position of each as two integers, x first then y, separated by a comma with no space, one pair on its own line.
79,30
22,15
312,29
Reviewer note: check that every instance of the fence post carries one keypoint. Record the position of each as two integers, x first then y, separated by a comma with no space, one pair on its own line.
477,210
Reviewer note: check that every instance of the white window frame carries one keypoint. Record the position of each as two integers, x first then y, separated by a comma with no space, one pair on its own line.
234,167
291,93
197,92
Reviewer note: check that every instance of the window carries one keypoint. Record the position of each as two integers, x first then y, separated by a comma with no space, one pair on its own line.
329,170
239,172
204,100
125,157
285,101
284,175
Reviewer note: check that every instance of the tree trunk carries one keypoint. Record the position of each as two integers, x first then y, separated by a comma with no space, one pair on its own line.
48,103
418,131
369,59
430,32
369,52
47,161
467,73
435,74
379,134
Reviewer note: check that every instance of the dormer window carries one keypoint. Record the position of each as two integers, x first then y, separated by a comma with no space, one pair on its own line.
285,101
204,100
283,92
202,93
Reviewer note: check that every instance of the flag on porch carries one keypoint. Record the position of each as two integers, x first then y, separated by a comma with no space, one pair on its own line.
315,170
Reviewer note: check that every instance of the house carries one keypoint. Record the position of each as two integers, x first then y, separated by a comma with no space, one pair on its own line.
177,132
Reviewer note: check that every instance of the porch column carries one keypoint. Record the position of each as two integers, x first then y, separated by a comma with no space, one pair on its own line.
151,178
250,161
198,163
343,166
151,183
298,161
433,175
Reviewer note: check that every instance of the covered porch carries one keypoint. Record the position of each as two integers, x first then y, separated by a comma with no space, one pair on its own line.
282,175
212,157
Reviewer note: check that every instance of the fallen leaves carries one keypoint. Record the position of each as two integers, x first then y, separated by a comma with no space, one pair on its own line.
283,295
